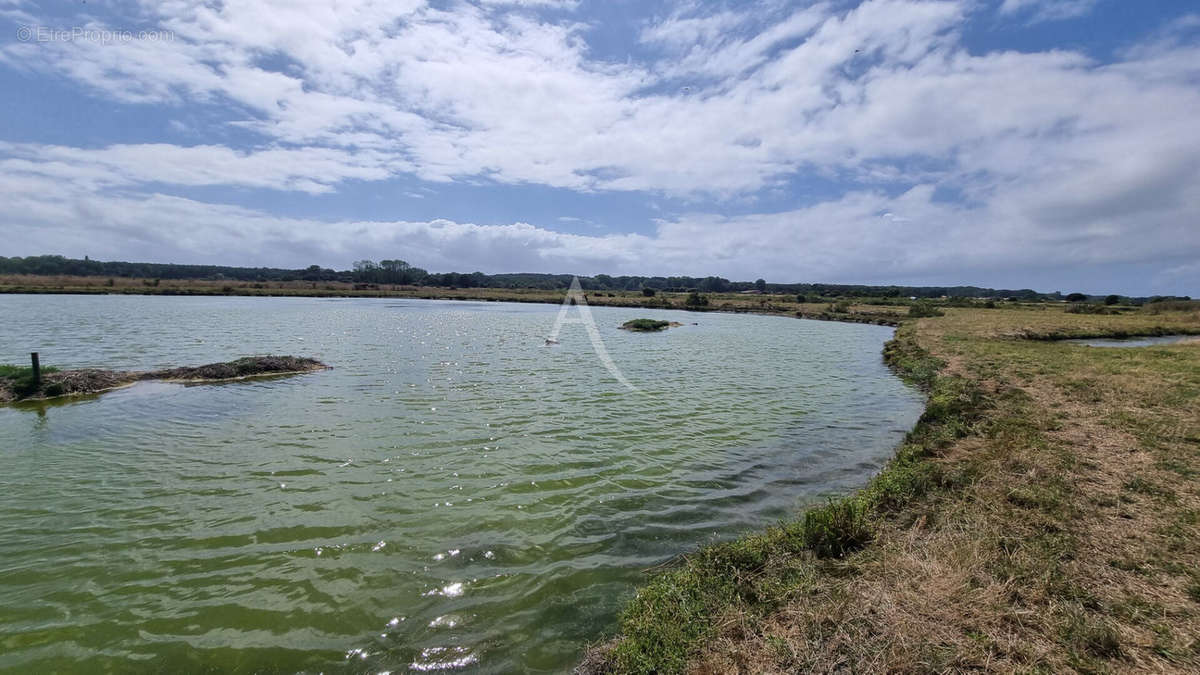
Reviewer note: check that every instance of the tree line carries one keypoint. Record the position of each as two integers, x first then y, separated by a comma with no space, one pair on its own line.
400,272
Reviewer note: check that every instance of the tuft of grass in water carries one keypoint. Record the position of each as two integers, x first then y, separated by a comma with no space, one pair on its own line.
646,325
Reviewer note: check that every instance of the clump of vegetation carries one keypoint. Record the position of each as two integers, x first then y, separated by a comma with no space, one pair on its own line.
1159,306
1087,636
838,528
1193,589
660,302
694,299
16,383
1090,308
839,307
244,367
921,310
19,379
646,325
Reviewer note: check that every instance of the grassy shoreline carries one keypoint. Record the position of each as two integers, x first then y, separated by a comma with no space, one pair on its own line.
1043,515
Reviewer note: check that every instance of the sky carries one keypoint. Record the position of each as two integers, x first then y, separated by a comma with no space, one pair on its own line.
1047,144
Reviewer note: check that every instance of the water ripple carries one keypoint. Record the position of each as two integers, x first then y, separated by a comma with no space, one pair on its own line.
452,496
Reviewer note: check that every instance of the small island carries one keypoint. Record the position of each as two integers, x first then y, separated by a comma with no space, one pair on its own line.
648,325
19,383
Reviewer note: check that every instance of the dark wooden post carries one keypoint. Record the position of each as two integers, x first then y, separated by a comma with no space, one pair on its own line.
37,369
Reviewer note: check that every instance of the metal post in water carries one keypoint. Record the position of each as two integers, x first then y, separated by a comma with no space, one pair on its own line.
37,369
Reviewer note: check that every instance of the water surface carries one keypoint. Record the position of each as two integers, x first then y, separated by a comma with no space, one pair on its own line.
1133,341
453,494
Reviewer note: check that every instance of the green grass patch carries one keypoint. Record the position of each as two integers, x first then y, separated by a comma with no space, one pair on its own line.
921,310
1090,637
646,325
838,528
17,372
20,380
913,364
1193,589
1142,486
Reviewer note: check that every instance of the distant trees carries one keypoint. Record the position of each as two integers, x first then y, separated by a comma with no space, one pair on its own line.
387,272
59,265
714,285
1112,300
396,271
694,300
649,292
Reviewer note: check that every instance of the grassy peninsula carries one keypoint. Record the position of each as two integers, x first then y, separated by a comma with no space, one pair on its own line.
648,325
18,384
1043,516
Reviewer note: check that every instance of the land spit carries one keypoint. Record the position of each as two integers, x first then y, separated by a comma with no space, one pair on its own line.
648,325
55,384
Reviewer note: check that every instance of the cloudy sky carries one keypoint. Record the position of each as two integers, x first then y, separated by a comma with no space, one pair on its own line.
1052,144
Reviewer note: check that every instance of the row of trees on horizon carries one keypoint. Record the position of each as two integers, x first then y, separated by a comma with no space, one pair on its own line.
400,272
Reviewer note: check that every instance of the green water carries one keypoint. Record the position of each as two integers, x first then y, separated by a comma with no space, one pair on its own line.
453,494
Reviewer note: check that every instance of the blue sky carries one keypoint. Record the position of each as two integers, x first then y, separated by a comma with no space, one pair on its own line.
1051,144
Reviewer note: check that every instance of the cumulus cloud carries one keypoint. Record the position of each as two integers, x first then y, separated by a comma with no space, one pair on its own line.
313,170
945,158
862,237
1047,10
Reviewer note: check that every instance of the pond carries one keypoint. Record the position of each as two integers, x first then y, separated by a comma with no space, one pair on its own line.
454,494
1133,341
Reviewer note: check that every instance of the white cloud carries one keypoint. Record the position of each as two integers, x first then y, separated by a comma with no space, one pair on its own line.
1048,10
862,237
1058,159
311,170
